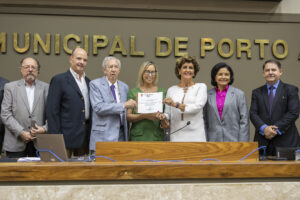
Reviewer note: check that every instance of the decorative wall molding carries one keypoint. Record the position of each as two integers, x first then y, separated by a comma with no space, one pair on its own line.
233,10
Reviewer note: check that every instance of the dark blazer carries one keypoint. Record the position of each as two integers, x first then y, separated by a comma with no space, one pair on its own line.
285,111
65,109
3,81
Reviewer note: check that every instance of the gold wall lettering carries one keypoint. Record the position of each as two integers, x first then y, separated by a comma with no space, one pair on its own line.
3,42
57,44
284,45
26,41
180,44
117,46
133,52
262,43
66,42
228,42
86,43
243,45
97,44
164,46
204,47
167,43
37,41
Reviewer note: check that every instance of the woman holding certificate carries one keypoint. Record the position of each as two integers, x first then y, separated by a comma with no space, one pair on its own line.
185,102
146,126
226,110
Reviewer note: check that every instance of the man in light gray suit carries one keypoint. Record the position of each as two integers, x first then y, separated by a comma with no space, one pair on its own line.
108,98
23,111
3,81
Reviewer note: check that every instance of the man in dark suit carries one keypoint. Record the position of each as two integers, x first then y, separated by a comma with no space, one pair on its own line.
3,81
274,110
68,105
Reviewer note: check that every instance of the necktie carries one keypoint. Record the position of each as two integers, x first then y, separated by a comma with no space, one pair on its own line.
271,98
112,88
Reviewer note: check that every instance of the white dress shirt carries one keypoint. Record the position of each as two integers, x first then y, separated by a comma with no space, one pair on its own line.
84,91
30,94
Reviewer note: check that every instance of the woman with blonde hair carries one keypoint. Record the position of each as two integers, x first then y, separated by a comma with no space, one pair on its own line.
146,127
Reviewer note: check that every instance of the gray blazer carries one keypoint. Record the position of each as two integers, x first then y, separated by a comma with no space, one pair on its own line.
106,112
15,112
3,81
234,125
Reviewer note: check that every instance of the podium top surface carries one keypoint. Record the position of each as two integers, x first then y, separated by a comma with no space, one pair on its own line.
183,151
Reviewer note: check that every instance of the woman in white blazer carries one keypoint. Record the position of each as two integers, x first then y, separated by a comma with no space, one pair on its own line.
226,110
185,102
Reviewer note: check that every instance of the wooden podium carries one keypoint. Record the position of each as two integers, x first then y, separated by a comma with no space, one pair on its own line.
175,151
181,160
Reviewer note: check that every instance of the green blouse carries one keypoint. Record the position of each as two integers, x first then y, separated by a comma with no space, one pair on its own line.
145,130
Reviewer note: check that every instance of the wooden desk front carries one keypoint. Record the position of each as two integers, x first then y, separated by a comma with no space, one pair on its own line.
147,170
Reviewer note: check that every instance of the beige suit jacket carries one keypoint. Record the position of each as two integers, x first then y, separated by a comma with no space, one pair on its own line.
16,115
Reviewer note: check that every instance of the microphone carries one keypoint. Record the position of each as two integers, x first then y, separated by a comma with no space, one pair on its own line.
187,123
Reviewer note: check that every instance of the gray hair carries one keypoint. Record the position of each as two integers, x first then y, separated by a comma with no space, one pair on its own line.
108,58
36,60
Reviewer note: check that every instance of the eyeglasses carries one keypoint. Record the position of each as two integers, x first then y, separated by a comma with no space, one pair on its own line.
27,67
110,67
153,73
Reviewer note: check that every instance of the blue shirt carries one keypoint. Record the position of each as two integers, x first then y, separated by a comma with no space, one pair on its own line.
275,86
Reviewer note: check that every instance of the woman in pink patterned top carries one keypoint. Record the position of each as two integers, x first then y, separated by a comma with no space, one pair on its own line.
226,110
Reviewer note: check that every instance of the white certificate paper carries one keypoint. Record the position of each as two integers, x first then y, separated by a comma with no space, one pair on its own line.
150,102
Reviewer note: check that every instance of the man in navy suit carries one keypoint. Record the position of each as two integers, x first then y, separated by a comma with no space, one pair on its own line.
274,110
109,102
68,106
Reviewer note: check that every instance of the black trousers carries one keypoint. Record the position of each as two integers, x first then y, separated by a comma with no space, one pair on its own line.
84,149
29,151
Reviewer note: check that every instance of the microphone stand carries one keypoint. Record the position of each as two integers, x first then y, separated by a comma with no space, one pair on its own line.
167,134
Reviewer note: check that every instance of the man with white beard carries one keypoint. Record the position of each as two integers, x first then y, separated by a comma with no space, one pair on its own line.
23,111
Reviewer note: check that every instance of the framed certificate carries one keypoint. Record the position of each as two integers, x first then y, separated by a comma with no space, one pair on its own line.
149,102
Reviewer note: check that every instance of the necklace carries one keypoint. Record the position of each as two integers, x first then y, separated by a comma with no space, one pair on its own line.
148,90
185,89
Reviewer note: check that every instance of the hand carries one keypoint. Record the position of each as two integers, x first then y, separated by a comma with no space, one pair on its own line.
151,116
169,101
130,104
270,132
164,123
160,116
37,130
26,136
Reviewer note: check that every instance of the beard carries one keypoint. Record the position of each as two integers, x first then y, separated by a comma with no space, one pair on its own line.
30,78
